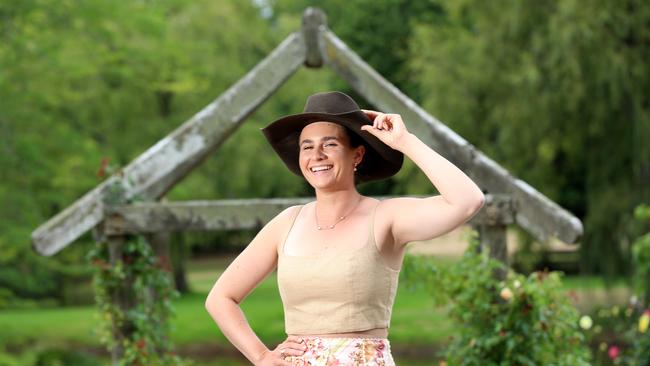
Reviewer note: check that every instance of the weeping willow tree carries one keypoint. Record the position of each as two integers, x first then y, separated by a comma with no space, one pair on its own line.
557,92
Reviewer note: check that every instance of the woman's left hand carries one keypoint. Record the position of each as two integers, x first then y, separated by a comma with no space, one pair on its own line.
389,128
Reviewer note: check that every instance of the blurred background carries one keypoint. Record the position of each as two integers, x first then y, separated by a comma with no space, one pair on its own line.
557,92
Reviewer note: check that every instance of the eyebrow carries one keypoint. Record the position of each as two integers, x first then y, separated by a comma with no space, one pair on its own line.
326,138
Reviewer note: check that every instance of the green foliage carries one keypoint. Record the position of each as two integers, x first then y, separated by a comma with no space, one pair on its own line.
554,91
48,356
617,334
144,277
641,254
621,335
55,357
519,321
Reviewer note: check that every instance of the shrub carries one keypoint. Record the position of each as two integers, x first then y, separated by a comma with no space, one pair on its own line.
523,320
621,335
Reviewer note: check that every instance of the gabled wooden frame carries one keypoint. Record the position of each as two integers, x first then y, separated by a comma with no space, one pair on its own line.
163,165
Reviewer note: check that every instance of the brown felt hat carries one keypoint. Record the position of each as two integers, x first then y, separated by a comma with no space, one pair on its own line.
380,161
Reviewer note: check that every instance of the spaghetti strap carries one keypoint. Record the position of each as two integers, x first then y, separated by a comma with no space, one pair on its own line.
293,221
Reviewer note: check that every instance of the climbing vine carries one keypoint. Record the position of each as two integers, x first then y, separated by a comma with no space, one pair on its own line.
134,294
151,293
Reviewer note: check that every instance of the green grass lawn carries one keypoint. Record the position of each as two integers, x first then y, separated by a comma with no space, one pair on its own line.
415,323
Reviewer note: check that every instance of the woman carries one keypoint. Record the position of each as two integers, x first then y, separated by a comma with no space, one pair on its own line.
338,257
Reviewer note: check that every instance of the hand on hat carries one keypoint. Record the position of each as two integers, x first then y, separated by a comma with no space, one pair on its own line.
388,128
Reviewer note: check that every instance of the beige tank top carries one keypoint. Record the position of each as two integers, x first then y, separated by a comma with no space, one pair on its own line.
347,290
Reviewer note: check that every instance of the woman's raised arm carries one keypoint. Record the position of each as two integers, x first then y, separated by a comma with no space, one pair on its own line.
424,218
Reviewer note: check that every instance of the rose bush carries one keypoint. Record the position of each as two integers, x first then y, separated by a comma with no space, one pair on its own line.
620,334
522,320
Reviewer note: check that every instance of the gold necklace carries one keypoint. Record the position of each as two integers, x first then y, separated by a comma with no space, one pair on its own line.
341,218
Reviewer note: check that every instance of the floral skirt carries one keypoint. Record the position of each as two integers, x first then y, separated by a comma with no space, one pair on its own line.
344,352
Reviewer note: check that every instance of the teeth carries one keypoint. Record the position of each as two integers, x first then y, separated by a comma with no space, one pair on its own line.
320,168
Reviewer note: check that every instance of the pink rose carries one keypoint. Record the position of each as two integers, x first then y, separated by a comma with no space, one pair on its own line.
613,352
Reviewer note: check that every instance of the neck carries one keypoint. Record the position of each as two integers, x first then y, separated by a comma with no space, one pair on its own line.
333,204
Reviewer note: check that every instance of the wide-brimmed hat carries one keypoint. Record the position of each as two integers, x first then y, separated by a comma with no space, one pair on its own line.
380,161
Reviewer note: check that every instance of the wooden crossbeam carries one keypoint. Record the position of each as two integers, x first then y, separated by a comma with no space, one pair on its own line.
151,217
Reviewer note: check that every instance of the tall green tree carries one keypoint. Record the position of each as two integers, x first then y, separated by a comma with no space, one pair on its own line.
555,91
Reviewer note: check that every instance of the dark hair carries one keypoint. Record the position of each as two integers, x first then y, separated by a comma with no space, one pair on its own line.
355,141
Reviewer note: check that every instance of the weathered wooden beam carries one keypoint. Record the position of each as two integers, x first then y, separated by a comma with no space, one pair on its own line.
153,217
155,171
536,213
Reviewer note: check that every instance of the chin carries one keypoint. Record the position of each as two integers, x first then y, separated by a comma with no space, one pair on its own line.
320,183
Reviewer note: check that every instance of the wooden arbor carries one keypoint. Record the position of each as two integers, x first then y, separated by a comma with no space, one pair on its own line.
157,170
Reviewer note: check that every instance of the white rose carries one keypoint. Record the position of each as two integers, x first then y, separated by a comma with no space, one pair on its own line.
586,322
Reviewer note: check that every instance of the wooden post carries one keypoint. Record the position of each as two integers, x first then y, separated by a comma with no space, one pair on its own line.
498,211
493,238
113,232
178,256
159,243
314,22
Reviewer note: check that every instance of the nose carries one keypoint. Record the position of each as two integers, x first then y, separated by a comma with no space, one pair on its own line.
320,154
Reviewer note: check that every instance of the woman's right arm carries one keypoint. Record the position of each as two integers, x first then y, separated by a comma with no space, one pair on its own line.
239,279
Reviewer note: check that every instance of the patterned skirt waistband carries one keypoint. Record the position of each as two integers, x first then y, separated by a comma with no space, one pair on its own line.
325,351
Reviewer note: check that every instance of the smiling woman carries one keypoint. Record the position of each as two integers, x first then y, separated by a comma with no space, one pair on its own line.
338,257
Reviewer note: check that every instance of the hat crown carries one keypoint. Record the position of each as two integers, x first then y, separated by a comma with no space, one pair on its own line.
330,102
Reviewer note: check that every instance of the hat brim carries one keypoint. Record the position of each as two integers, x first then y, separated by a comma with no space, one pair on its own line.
380,161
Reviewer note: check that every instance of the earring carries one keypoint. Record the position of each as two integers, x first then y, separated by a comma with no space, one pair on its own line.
355,166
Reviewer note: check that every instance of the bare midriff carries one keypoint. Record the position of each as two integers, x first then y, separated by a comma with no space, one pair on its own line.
370,333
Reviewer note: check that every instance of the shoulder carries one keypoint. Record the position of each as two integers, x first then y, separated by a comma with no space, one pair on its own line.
390,207
274,231
389,210
284,219
290,213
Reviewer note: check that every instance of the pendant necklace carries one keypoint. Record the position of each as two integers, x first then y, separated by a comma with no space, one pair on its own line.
341,218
